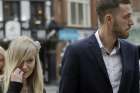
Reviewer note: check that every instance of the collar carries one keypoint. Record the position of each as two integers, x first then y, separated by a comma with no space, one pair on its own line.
104,50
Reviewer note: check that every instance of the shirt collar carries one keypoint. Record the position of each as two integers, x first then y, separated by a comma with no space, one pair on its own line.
98,39
114,50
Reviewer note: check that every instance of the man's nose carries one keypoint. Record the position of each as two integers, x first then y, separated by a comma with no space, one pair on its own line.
131,22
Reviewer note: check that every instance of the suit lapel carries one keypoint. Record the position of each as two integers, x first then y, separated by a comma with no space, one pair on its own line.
96,51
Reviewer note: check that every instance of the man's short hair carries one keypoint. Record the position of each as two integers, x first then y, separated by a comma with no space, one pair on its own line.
105,6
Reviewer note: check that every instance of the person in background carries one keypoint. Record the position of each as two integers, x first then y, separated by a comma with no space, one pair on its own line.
2,64
104,62
23,72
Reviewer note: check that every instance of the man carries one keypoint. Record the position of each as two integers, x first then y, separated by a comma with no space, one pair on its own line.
103,63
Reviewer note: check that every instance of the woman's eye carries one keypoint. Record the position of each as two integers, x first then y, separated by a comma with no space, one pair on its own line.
30,60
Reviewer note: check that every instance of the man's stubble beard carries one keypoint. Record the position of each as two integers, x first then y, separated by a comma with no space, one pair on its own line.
119,33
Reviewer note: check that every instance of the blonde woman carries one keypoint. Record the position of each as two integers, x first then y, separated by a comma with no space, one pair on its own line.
23,73
2,63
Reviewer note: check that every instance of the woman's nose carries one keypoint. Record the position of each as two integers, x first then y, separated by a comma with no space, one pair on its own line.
24,66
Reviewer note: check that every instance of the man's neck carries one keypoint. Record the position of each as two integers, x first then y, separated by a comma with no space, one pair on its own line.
108,39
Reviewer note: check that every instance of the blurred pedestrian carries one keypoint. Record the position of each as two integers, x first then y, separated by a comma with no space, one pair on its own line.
23,72
2,63
103,63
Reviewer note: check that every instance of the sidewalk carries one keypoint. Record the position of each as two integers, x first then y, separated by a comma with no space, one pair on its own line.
51,88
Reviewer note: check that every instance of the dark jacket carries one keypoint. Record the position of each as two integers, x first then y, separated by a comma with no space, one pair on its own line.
15,87
84,71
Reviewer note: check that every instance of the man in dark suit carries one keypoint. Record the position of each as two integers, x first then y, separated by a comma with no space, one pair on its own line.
103,63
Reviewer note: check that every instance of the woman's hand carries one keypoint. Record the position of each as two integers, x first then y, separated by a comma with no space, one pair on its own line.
17,75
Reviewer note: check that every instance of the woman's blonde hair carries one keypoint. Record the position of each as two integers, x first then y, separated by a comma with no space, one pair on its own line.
19,50
2,52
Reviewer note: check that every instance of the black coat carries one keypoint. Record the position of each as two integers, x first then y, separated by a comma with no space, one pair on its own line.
15,87
84,71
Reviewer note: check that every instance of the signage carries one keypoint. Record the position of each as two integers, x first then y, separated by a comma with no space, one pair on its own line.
68,34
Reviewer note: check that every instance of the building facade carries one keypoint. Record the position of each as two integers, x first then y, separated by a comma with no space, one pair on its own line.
33,18
79,20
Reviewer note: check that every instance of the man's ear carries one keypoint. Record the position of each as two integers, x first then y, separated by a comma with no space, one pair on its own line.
108,18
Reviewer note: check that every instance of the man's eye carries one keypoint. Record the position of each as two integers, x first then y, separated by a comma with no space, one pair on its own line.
127,16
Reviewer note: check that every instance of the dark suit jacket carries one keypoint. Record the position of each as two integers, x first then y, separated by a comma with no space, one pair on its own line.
84,71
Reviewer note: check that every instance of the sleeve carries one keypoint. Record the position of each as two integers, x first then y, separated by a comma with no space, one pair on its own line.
69,82
135,84
15,87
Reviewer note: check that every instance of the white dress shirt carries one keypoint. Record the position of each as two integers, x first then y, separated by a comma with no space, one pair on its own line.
113,63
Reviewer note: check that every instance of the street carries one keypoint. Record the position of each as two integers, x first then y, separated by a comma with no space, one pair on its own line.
51,89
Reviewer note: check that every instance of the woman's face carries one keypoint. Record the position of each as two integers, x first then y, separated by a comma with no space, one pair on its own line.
28,66
1,62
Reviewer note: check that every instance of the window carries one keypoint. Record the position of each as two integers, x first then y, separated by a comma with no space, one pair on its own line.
79,13
11,10
1,11
25,6
37,15
1,20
